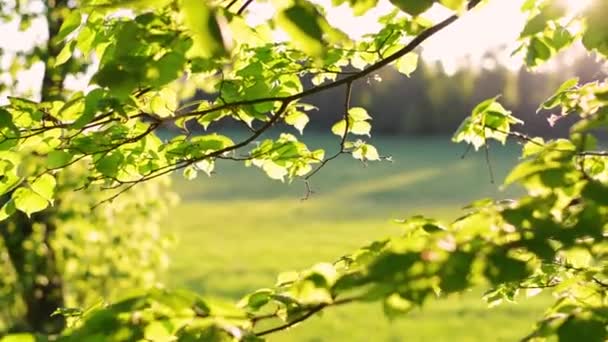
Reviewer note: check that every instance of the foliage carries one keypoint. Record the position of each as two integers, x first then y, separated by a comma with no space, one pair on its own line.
59,247
95,248
552,237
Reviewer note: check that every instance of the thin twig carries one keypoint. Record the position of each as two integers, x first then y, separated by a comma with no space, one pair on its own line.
231,4
346,118
489,162
304,317
244,7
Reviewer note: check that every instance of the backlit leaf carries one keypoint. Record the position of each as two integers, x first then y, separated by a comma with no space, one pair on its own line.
203,25
301,22
28,201
413,7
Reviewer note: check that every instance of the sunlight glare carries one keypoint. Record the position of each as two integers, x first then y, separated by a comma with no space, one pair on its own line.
576,6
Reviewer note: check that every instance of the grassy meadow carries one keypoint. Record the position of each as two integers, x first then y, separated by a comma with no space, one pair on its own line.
238,229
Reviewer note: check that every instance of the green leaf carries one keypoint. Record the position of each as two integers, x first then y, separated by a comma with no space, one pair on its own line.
21,337
366,152
257,299
339,128
360,7
70,23
583,328
597,192
395,305
167,69
190,172
57,159
596,35
455,271
538,52
556,99
6,121
203,25
361,128
358,114
484,106
533,147
28,201
206,165
91,105
456,5
65,54
160,330
413,7
7,210
45,186
502,268
301,22
86,39
287,278
298,120
211,142
274,170
407,64
164,103
109,164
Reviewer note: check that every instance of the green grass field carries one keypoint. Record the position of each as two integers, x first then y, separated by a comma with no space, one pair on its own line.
237,230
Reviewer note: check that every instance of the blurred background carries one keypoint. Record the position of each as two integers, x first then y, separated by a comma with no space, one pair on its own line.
238,229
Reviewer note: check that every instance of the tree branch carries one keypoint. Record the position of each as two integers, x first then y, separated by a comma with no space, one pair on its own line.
244,7
411,46
312,311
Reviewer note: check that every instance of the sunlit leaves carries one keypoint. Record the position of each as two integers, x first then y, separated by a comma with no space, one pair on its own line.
45,186
503,268
174,315
539,22
28,201
65,53
415,7
285,157
303,23
597,192
545,158
363,151
539,240
582,326
407,64
357,122
359,7
92,103
548,31
202,23
70,23
596,35
141,51
163,103
456,5
561,95
109,165
57,159
298,120
489,120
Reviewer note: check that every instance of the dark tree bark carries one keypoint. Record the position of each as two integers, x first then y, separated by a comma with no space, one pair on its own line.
33,259
38,274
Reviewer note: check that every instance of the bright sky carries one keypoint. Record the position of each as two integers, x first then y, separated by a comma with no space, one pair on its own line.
496,24
493,25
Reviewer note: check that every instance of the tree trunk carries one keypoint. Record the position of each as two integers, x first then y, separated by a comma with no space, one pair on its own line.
28,240
52,82
30,250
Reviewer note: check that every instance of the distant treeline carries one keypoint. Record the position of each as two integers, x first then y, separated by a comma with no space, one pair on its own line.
432,102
